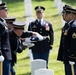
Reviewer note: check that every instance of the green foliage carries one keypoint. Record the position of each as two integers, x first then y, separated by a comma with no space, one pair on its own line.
16,8
70,2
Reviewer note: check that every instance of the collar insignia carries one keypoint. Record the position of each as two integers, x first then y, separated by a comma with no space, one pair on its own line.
34,26
65,32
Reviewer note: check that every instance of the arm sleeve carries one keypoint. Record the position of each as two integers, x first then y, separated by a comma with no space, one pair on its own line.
51,36
72,36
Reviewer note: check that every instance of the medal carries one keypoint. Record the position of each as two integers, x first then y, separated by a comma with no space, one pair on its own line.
74,35
65,32
47,27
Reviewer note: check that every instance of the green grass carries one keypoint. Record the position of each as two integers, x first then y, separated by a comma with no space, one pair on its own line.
16,8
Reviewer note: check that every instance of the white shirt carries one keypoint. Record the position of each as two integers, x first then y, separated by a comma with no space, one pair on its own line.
41,21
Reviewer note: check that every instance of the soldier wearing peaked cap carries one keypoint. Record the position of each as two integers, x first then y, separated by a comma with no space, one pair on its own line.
67,49
42,48
15,42
9,21
15,37
5,46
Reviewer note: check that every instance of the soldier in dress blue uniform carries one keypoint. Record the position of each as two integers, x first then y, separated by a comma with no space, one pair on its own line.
67,49
15,42
15,36
42,48
4,39
9,21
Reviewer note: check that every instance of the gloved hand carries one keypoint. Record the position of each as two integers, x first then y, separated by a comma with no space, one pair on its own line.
1,57
40,37
27,39
50,51
28,43
71,62
36,36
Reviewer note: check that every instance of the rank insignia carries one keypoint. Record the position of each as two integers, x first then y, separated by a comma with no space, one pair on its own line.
47,27
65,32
34,26
74,35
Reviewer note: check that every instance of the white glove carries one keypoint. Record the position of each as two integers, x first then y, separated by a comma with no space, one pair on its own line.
39,36
28,43
27,40
71,62
50,51
1,58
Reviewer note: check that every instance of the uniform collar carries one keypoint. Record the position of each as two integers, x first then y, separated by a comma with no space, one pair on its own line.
40,19
71,22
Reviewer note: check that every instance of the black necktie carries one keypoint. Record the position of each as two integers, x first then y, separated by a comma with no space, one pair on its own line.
39,21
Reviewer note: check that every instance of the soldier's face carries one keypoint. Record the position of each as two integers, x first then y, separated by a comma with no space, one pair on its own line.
18,32
66,17
39,15
3,13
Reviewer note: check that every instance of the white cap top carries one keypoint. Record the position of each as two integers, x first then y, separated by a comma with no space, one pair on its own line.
19,23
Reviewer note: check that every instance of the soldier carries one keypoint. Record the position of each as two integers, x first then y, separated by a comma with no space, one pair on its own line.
5,46
16,34
15,42
67,49
9,21
42,48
